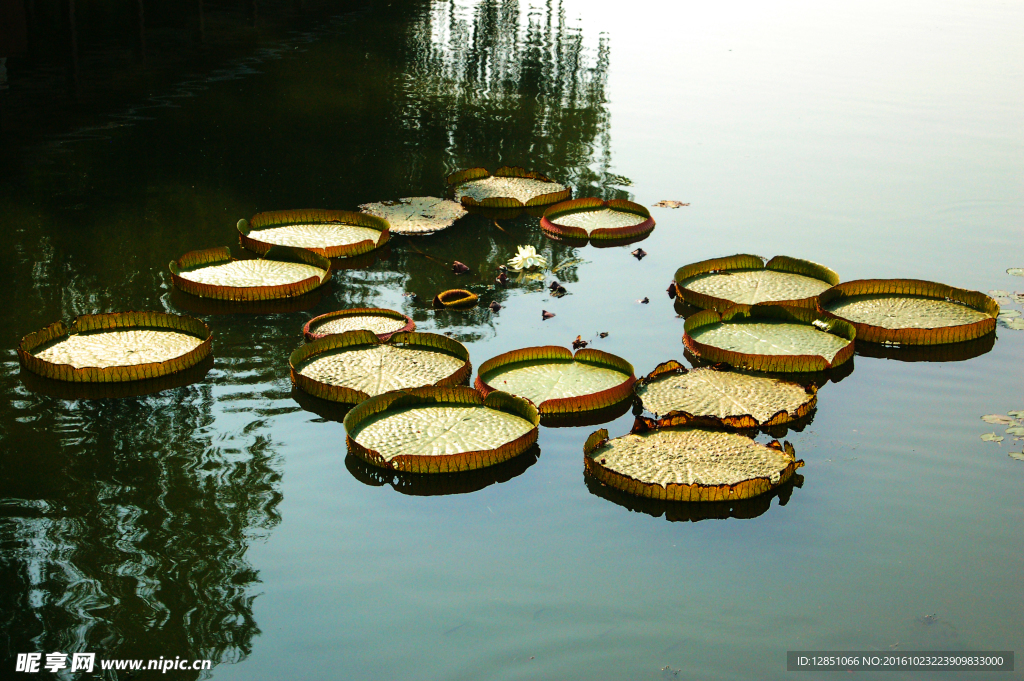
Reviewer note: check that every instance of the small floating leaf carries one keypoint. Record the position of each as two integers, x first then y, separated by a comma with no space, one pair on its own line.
1016,271
998,419
689,464
552,378
998,293
740,400
1008,314
1019,456
1019,413
669,204
992,437
1015,324
440,430
1016,431
416,215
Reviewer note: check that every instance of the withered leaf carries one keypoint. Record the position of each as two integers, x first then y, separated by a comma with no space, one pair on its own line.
644,300
544,314
494,306
669,204
603,334
459,268
639,254
579,343
672,292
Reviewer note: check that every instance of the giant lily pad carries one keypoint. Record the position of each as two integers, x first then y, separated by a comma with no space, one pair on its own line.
617,220
688,464
440,430
738,400
720,283
331,233
557,381
377,320
910,311
771,338
416,215
283,272
506,188
352,366
116,347
456,299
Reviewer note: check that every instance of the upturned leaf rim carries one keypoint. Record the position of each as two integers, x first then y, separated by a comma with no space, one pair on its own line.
115,321
450,463
361,337
565,405
208,257
549,222
455,299
283,218
309,328
739,422
745,489
769,363
470,174
870,333
746,261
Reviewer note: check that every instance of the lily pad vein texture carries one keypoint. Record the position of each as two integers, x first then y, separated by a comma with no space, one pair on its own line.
592,218
382,322
416,215
353,366
558,382
116,347
744,279
736,399
772,338
440,430
331,233
910,311
282,272
508,187
688,464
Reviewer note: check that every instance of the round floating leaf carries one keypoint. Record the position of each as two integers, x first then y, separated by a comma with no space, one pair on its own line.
771,338
1018,414
331,233
440,430
507,188
1008,314
736,399
457,298
1015,324
688,464
1016,431
558,382
1016,271
116,347
352,366
592,218
910,311
992,437
720,283
998,419
416,215
282,272
1019,456
998,293
377,320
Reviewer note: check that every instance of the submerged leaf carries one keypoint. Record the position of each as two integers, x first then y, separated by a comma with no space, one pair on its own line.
416,215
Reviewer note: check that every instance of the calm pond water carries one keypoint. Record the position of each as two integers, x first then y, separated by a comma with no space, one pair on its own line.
223,521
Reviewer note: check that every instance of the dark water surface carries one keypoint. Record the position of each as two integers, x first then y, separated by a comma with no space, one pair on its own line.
223,521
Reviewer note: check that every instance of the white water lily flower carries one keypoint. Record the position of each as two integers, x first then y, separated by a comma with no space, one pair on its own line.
527,259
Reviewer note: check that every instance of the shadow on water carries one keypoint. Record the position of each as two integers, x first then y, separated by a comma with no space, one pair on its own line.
126,523
947,352
693,512
429,485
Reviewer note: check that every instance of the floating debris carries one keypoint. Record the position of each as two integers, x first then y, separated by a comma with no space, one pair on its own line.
494,306
459,268
644,300
669,204
544,314
579,343
639,254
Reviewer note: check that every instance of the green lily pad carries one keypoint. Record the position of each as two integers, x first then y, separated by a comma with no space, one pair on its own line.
1019,413
608,222
910,311
720,283
999,419
440,430
992,437
1016,271
737,399
688,464
1017,455
1008,314
506,188
330,233
252,273
1015,324
1017,431
558,382
416,215
377,320
999,293
773,338
353,366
